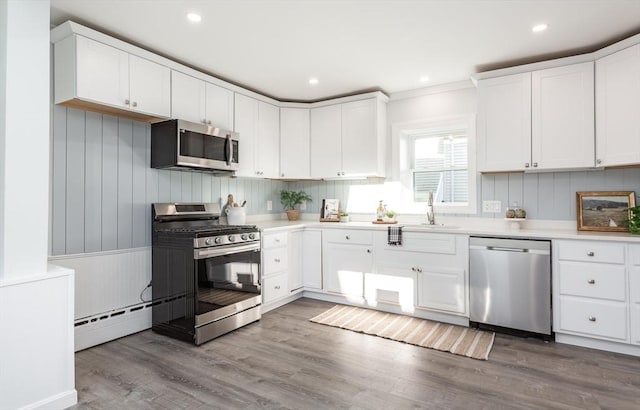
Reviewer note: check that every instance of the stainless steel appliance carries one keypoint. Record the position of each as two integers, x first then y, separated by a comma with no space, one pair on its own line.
184,144
510,284
206,276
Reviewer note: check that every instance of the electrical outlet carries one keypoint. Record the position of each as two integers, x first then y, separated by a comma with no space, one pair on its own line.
269,205
492,206
303,206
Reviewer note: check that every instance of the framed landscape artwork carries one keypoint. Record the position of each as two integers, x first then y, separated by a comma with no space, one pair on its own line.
604,210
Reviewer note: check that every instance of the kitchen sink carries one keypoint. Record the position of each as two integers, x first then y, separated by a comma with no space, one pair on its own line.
425,225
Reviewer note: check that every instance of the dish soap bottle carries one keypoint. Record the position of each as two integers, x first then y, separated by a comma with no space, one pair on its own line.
380,212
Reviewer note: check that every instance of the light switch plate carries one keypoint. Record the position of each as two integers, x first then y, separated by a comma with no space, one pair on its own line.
492,206
269,205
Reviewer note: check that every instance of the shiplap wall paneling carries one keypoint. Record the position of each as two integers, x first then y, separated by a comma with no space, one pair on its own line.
93,183
75,176
109,183
59,181
125,184
139,194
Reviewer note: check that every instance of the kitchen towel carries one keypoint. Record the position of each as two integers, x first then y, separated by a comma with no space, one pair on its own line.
458,340
394,235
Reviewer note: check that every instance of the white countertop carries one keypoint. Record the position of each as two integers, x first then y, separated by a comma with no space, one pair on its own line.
536,229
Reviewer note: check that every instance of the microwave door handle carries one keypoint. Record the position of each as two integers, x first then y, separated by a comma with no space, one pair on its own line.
229,150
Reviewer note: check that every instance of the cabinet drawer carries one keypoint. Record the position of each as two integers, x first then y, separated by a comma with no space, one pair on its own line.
275,260
588,251
274,288
273,240
594,280
596,318
352,237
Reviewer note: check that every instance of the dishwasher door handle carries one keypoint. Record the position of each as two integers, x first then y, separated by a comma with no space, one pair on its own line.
504,249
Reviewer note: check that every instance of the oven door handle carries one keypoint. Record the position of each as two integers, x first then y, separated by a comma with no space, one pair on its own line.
222,251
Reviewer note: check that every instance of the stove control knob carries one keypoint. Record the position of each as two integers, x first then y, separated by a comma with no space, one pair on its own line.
252,236
208,241
218,240
232,238
244,236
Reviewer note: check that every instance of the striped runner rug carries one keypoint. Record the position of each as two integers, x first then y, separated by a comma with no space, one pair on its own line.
419,332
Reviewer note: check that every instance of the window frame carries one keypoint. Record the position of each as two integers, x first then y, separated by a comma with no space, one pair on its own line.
403,137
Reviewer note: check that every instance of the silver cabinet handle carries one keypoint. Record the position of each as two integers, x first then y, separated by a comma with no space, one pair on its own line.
277,260
368,250
591,253
209,122
419,270
204,120
414,269
282,174
277,239
592,318
526,165
346,237
127,101
338,173
591,281
342,173
135,104
598,161
277,287
535,165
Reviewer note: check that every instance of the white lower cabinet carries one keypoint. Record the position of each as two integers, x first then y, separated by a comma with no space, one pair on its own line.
312,259
275,267
442,289
296,249
634,294
391,284
275,287
591,290
347,256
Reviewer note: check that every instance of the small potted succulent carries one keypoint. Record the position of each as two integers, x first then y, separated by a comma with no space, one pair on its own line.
289,199
634,220
344,217
390,216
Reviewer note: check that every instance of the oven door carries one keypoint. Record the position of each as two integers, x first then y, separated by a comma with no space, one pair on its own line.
228,281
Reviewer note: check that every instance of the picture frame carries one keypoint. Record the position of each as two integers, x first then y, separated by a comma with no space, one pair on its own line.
330,210
604,211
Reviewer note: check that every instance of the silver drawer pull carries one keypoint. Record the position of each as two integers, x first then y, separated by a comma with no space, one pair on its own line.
278,287
277,260
414,269
368,250
277,239
591,281
419,269
592,318
347,237
591,253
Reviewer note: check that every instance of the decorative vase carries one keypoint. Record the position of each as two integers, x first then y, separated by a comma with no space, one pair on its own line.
293,214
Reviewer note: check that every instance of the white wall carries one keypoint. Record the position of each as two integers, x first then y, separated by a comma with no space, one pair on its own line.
36,300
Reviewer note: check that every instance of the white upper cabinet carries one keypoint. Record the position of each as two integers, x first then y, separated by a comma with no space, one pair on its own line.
259,126
347,140
89,74
562,124
326,137
617,101
537,121
294,143
199,101
504,123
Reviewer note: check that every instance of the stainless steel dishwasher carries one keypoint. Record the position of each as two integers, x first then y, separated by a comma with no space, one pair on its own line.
510,284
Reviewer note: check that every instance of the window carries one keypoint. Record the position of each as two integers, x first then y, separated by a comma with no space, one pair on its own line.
436,156
440,166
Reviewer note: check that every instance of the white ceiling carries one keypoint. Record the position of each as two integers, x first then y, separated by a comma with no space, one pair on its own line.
274,46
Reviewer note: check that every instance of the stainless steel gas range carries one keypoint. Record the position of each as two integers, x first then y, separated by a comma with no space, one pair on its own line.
206,276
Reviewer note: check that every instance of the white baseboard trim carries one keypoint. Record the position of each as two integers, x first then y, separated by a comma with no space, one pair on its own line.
281,302
58,401
615,347
92,334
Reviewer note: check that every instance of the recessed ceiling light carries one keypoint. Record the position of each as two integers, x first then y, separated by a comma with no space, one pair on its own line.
313,81
424,78
539,28
194,17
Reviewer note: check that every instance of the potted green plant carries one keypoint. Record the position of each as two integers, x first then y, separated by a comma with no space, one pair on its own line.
390,215
344,217
634,220
289,199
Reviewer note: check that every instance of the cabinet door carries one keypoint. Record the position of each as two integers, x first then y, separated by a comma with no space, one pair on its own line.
634,302
442,289
344,268
102,73
359,138
187,97
219,106
268,154
391,284
246,123
504,123
562,125
149,87
312,259
296,250
617,101
326,131
294,143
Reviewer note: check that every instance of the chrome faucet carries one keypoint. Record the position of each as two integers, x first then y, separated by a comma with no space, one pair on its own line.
431,215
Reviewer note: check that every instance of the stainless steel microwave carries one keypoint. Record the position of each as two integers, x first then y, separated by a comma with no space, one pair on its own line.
182,144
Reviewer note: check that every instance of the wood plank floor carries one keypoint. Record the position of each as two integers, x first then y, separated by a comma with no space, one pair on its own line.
285,361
